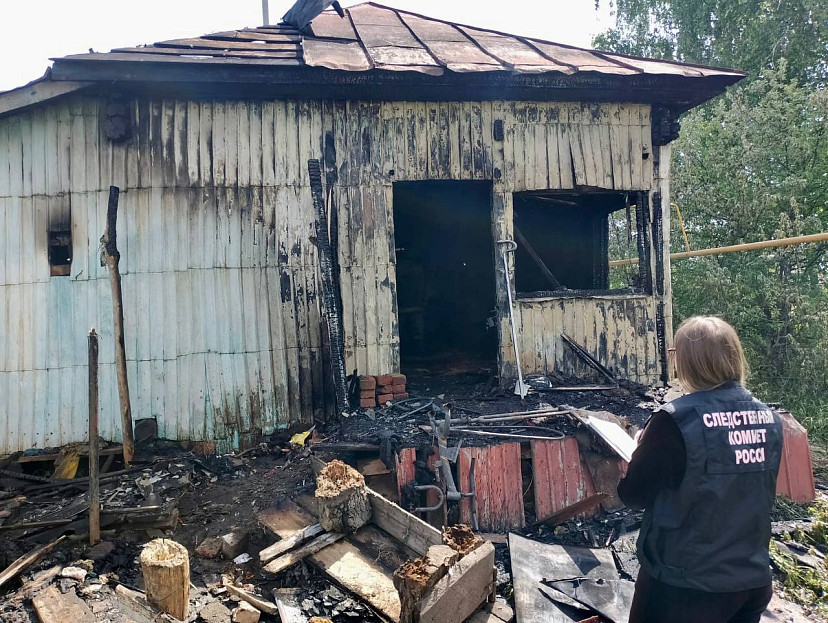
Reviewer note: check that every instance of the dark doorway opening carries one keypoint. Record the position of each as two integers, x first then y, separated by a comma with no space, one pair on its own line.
445,276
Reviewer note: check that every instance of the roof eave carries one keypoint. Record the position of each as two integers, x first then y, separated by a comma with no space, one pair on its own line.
265,80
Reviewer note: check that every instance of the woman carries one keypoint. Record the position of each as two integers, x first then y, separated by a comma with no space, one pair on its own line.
705,474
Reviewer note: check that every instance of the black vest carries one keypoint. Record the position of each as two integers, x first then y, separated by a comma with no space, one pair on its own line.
712,533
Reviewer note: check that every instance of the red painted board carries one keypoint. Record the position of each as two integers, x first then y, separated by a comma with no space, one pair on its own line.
560,477
405,467
796,470
499,485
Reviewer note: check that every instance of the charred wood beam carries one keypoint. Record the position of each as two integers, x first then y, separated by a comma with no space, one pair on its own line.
330,290
556,285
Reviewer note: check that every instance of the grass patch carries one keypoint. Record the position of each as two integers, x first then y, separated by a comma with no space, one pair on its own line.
803,584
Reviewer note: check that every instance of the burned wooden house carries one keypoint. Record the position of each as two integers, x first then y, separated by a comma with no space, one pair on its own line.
437,141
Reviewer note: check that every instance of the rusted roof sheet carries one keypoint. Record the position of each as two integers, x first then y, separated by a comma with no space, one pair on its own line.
373,36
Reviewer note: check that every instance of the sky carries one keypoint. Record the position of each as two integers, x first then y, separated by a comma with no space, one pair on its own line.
34,31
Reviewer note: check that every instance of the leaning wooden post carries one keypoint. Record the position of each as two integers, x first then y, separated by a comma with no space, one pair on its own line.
110,258
94,492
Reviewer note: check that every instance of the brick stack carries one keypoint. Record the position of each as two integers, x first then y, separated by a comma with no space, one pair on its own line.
381,389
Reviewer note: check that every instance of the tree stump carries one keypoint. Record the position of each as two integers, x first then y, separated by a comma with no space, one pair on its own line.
166,568
342,498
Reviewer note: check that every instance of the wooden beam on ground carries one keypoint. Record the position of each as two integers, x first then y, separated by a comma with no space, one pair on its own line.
291,558
287,604
573,510
52,606
285,545
457,595
27,560
257,602
402,525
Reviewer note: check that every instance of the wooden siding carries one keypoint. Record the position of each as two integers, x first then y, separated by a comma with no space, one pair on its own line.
619,331
560,476
498,483
223,330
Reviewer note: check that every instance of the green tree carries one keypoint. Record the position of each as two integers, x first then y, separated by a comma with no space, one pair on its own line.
754,166
745,34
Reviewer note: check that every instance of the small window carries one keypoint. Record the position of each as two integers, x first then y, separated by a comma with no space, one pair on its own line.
566,240
60,252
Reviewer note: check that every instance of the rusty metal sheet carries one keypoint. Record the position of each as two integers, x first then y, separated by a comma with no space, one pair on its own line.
510,49
348,56
380,36
430,30
390,55
461,52
582,60
431,70
657,67
330,25
201,42
461,68
255,34
373,14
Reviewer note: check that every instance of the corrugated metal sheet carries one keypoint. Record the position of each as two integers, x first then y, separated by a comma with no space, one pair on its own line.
392,39
223,325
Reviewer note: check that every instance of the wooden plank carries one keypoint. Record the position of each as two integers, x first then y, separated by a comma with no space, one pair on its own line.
291,558
280,547
36,93
346,563
287,604
458,594
499,486
402,525
573,510
27,560
52,606
254,600
361,575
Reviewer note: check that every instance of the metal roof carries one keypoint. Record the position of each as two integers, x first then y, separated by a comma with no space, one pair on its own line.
377,37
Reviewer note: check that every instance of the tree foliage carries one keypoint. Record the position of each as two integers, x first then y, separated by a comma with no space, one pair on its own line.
750,166
745,34
754,166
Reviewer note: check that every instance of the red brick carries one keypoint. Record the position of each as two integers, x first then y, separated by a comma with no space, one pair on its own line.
401,396
384,379
367,403
398,389
365,394
367,382
385,398
385,389
398,379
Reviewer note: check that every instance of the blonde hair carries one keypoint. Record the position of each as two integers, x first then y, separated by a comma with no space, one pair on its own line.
708,354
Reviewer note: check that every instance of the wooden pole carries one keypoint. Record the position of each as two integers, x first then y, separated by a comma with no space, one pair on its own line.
94,484
748,246
110,257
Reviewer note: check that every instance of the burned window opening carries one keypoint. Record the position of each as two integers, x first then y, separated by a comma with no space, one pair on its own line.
445,275
60,253
566,240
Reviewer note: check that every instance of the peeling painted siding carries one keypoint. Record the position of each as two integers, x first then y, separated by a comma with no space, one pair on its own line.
619,331
223,331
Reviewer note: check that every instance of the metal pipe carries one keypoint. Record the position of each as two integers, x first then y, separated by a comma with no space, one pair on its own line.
521,389
265,13
747,246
